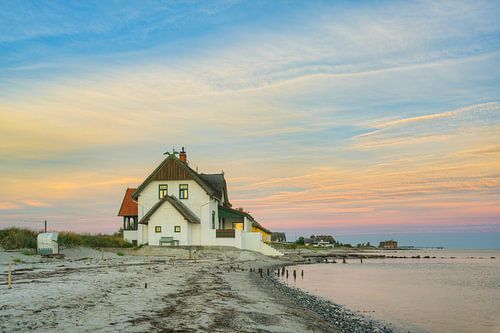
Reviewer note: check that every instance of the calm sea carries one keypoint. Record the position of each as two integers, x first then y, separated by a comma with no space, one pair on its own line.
460,294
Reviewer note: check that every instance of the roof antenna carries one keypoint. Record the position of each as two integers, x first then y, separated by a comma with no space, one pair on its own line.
196,169
171,153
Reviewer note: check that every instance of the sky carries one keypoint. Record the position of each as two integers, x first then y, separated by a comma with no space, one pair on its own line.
364,120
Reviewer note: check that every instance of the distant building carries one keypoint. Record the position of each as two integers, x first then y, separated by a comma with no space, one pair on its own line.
321,240
278,237
388,244
327,239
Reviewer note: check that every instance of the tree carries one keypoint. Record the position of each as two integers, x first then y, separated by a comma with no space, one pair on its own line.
300,240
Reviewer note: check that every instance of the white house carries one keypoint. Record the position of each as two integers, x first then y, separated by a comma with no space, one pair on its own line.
176,205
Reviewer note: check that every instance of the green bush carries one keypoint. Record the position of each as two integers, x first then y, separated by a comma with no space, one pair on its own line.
28,252
71,239
120,254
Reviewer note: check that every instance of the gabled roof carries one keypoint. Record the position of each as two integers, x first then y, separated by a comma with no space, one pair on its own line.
179,170
179,206
218,183
129,205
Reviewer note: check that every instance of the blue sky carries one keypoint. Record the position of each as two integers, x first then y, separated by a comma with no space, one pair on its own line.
326,116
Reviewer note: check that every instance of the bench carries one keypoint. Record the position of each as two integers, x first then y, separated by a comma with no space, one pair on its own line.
169,241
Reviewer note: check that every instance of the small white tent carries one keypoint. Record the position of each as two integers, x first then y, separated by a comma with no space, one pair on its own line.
47,243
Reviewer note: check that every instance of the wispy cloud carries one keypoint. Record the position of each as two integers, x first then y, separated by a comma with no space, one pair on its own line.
431,127
320,114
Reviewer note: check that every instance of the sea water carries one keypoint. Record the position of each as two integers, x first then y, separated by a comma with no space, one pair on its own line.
458,291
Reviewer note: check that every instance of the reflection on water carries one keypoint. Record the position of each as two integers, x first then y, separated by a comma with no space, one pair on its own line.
457,293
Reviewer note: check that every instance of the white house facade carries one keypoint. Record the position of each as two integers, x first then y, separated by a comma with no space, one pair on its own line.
176,205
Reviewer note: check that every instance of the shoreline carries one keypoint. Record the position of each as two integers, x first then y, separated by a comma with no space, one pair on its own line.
218,293
344,320
78,293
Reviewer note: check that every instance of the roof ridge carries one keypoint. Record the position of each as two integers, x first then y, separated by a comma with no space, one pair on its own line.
197,177
187,213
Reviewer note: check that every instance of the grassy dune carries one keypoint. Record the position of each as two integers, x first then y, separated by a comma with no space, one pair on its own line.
17,238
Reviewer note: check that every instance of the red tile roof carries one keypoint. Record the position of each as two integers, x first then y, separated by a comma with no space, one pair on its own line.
129,205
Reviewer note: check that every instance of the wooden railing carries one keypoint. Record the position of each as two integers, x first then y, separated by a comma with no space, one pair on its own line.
224,233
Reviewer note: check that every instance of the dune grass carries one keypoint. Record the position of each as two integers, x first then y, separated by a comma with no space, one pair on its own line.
18,238
15,238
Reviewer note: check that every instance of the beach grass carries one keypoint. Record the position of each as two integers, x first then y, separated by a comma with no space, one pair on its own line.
20,238
17,238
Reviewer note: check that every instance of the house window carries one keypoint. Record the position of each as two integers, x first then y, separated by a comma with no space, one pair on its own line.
177,228
162,191
183,191
213,220
157,229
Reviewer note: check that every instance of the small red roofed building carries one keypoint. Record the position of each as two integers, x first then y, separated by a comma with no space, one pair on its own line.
128,211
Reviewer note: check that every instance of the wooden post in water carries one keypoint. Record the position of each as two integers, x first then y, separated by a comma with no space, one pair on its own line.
302,274
9,278
107,263
294,274
149,263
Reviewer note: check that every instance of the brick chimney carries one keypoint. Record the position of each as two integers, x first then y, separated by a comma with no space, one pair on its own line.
183,156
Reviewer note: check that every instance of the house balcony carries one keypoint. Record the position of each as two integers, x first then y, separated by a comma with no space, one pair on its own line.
224,233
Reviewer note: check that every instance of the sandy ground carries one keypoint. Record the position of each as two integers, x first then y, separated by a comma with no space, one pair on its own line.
76,294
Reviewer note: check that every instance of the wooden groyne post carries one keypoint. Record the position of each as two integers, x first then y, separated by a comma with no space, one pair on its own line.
149,263
107,263
9,277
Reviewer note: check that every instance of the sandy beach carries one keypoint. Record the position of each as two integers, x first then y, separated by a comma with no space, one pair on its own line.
217,293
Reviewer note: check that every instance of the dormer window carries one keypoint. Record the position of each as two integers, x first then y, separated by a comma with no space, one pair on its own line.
183,191
162,191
